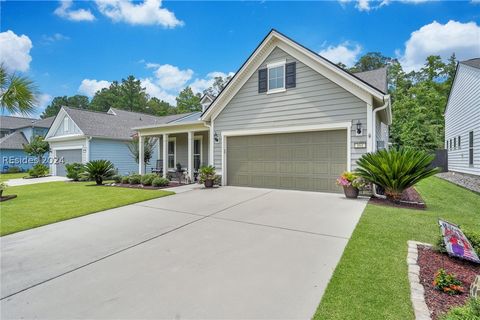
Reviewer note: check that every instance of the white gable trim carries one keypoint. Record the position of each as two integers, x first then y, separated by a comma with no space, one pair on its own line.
58,121
273,40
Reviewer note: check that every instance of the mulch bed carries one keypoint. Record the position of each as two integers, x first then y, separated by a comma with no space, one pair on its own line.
430,261
411,199
9,197
139,186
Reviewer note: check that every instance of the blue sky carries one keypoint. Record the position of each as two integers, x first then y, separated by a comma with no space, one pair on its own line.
69,48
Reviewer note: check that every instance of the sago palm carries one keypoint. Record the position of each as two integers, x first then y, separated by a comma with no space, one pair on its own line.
17,94
99,170
396,169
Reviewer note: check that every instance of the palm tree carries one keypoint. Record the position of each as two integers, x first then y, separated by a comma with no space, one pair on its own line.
17,93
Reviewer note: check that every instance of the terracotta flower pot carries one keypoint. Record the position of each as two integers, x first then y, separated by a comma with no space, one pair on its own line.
350,192
208,183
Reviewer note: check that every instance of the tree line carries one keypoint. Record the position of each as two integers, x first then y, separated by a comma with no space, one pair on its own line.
418,98
128,94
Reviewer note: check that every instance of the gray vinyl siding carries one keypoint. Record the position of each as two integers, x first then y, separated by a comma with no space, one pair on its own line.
314,100
72,128
461,117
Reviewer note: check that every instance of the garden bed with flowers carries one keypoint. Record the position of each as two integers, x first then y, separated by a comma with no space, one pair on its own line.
438,300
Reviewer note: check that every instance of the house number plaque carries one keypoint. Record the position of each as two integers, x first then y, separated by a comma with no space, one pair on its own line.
360,145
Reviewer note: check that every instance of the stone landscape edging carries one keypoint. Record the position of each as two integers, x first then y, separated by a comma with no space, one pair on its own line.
417,292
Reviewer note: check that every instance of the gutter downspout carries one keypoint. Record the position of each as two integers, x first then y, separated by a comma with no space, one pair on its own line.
374,133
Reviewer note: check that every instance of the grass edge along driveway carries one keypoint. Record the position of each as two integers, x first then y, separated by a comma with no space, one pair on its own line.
45,203
370,281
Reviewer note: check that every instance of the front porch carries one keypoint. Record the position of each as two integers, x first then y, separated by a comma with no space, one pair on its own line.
180,144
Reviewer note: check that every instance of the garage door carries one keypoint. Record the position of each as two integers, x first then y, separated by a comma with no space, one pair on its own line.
309,161
68,156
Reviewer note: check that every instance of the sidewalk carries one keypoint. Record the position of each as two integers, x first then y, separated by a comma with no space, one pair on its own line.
24,182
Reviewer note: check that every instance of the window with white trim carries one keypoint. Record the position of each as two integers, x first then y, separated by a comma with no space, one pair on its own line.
276,77
65,124
197,152
172,154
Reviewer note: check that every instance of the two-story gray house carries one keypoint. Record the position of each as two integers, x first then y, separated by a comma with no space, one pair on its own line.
288,119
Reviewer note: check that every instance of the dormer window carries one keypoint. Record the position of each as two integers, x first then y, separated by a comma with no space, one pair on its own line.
276,77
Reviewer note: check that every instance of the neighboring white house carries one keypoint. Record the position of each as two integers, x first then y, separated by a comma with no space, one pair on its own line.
78,135
462,119
288,119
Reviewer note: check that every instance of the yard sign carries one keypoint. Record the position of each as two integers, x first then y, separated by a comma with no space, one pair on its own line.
456,243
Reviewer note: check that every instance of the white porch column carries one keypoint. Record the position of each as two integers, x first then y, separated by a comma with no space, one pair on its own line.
159,150
141,164
190,155
165,155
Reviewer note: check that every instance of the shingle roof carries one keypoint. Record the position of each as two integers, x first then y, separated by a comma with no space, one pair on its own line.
376,78
10,122
194,116
14,140
472,63
115,124
44,123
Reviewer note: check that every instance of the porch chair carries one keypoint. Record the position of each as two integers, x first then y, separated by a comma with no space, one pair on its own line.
158,167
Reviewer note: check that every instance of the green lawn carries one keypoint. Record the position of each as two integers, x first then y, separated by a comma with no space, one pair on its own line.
370,282
44,203
8,176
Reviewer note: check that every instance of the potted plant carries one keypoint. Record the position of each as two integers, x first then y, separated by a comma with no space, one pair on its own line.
207,176
351,184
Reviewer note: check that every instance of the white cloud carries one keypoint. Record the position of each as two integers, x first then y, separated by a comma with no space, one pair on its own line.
150,12
15,51
54,38
170,77
367,5
88,87
435,38
345,52
43,100
154,90
65,11
198,85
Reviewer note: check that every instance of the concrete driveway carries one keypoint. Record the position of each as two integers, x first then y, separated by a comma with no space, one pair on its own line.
222,253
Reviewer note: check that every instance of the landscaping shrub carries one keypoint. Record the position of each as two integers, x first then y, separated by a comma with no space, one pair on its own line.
117,178
147,179
469,311
474,238
14,170
38,170
160,182
134,179
99,170
74,170
125,180
447,282
396,169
